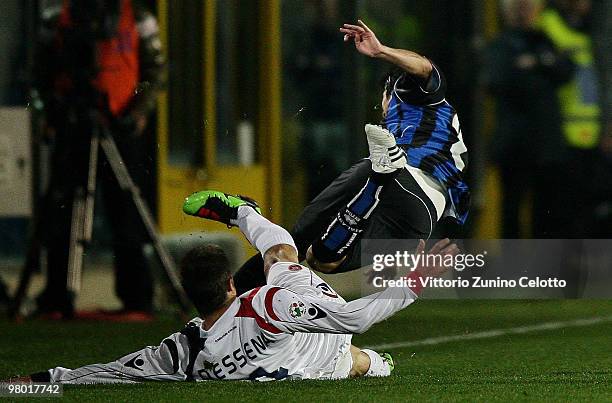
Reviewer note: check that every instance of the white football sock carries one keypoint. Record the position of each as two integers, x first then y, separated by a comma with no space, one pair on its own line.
259,231
378,366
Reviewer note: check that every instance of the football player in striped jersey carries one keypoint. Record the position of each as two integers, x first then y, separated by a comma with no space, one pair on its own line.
428,186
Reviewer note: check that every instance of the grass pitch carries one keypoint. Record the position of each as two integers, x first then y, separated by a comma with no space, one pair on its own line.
572,363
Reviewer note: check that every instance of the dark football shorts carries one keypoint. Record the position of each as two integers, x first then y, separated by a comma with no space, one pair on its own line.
404,212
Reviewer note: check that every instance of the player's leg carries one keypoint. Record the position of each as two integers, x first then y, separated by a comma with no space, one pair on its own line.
330,249
68,170
313,219
370,363
273,241
406,213
317,215
133,276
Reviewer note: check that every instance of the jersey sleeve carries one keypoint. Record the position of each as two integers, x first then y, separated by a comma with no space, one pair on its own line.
292,312
413,90
166,362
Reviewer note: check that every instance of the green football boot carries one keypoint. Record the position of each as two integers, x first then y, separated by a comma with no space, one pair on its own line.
217,206
388,359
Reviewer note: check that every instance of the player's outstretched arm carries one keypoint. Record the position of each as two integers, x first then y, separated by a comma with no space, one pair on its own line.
368,44
292,312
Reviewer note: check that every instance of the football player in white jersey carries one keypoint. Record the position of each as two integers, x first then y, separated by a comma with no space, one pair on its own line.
295,327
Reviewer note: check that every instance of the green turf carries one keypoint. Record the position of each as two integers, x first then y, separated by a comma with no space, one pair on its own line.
569,364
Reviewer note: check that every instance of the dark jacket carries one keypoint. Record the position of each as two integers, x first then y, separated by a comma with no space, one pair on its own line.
522,71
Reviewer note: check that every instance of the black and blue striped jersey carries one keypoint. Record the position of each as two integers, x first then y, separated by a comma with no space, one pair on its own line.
427,127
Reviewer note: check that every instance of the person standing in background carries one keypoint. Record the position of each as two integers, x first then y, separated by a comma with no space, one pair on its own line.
602,50
568,24
99,65
523,71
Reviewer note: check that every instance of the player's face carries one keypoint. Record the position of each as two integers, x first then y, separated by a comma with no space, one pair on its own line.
385,103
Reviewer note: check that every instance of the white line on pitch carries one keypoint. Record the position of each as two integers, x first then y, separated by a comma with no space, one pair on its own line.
493,333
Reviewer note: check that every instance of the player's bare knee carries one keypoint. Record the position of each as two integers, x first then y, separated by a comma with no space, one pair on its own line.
280,253
361,363
319,266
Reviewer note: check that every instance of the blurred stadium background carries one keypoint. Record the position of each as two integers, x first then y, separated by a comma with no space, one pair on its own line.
262,98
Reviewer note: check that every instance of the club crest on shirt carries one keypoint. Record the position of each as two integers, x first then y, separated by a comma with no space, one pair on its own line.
297,309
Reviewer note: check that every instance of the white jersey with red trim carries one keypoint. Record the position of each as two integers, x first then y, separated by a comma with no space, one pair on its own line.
250,341
297,327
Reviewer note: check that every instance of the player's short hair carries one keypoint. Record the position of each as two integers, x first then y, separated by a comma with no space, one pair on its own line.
205,271
390,78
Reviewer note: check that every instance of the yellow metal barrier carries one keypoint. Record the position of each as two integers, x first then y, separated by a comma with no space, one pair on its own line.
262,180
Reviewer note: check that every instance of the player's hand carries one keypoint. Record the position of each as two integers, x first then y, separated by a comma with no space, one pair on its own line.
443,247
365,40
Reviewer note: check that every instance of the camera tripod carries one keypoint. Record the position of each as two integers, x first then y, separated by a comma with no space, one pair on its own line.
81,225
